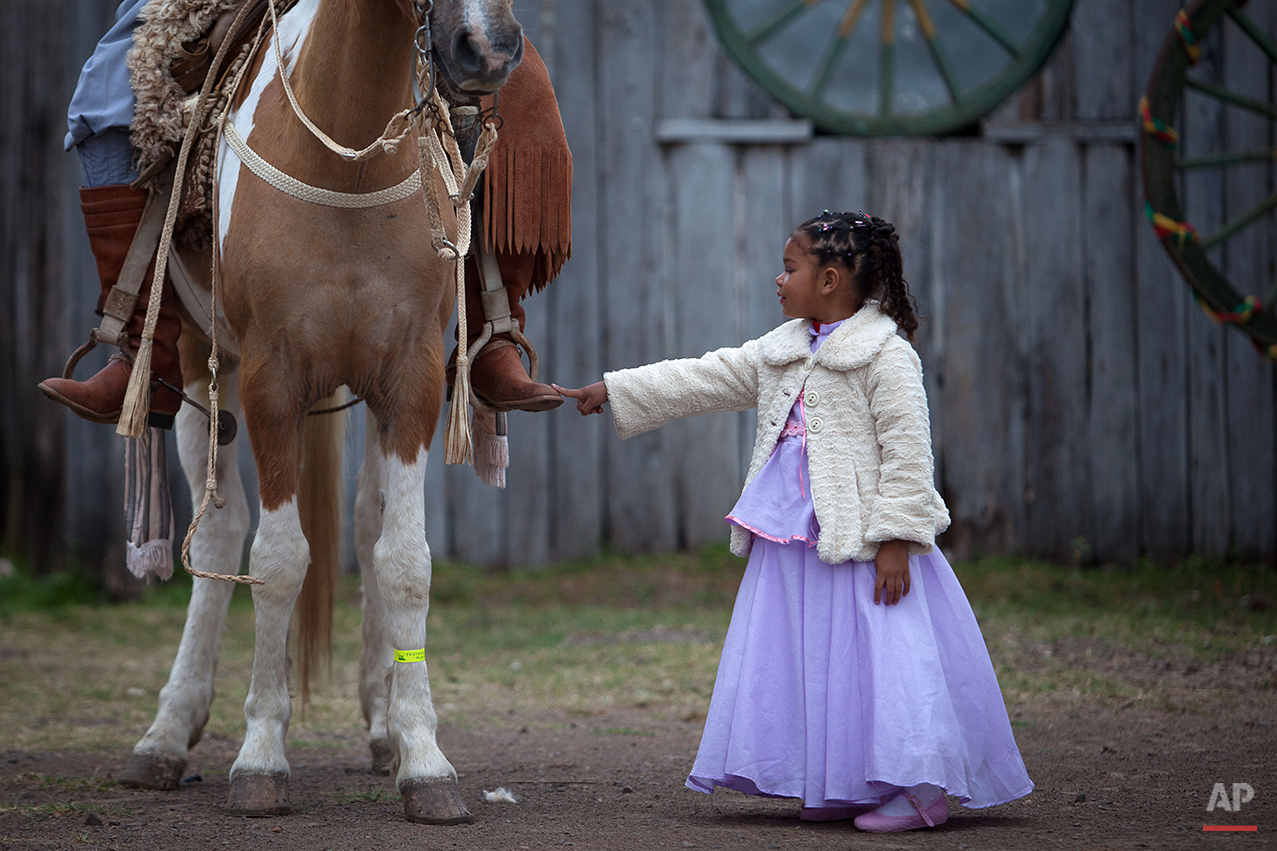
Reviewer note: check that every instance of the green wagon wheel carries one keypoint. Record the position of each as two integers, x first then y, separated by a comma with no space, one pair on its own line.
890,67
1249,305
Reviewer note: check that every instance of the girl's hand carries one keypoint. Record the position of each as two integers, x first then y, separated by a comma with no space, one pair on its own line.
892,566
589,400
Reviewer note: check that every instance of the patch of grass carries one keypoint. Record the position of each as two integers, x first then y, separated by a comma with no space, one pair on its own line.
1209,608
65,809
612,632
20,591
44,782
364,796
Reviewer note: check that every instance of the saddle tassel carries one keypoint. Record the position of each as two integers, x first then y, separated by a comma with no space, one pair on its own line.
137,399
458,444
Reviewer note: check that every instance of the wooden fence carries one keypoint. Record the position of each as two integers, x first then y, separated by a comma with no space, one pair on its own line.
1082,407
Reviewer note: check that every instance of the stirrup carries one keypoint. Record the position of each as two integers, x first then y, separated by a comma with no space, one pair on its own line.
68,371
497,320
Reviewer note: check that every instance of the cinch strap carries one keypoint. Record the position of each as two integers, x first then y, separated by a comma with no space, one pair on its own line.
410,655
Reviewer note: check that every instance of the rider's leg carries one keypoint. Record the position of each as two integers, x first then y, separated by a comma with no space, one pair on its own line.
497,374
112,213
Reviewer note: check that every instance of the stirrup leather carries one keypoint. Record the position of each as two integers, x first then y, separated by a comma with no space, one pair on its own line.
122,299
497,319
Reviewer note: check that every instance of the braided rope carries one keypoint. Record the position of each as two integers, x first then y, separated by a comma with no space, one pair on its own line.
1183,26
314,194
1155,127
1239,315
396,131
137,397
210,477
1166,227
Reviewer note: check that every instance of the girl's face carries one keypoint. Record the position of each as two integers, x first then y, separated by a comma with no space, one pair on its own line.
801,285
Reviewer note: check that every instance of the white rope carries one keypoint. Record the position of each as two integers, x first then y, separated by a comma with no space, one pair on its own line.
387,142
313,194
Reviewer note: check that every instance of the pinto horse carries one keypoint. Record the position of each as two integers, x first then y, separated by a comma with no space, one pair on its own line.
320,297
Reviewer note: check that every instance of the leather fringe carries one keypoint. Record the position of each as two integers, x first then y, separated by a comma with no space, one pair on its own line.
527,196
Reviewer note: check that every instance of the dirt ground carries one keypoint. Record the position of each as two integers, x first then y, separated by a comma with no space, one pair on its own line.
1107,777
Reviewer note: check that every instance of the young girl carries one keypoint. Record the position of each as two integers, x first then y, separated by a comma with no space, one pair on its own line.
854,675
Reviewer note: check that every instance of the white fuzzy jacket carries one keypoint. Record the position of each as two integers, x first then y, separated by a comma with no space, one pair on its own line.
868,430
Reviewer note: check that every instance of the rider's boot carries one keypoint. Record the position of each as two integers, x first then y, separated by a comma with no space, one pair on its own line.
112,215
497,375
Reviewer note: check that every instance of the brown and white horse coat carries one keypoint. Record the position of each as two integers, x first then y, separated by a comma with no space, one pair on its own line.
320,297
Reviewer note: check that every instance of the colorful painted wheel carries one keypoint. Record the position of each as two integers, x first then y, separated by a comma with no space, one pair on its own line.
1205,137
890,67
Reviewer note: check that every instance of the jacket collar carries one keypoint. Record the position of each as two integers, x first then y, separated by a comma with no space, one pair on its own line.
852,344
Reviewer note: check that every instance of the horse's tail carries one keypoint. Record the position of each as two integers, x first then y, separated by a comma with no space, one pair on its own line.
319,503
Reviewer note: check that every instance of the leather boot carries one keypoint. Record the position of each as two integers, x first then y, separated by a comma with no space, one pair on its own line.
497,375
111,216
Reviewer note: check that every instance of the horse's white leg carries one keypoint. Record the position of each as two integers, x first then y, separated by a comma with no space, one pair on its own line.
375,661
159,758
280,555
426,780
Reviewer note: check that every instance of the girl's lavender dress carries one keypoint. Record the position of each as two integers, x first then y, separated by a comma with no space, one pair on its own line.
823,695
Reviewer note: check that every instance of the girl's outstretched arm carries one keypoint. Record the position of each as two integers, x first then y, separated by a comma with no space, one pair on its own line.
589,399
892,566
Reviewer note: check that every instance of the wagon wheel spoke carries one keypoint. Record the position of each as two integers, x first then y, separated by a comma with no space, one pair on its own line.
1221,93
1215,160
913,76
836,45
987,24
886,56
1232,226
941,59
1256,34
1224,300
777,22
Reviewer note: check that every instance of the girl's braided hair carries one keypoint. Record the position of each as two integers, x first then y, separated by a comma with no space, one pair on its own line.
870,249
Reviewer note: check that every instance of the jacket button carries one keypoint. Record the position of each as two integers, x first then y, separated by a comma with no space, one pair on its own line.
815,424
812,399
809,363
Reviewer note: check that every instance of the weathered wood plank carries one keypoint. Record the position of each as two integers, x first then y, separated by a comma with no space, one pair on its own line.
688,55
1055,445
32,429
741,131
901,175
1102,56
705,451
575,336
1161,307
475,513
639,488
762,223
830,174
1249,258
976,385
1201,132
1112,409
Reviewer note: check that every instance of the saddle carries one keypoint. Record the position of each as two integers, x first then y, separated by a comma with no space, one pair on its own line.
194,58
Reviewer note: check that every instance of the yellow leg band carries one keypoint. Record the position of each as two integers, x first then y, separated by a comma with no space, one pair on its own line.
410,655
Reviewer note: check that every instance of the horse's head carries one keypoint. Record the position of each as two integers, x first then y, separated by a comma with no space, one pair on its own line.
477,43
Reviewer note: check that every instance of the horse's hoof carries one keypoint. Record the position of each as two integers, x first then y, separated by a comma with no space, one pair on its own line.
383,758
258,794
153,771
434,802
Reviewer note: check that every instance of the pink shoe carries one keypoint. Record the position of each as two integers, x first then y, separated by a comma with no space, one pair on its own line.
937,812
835,813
